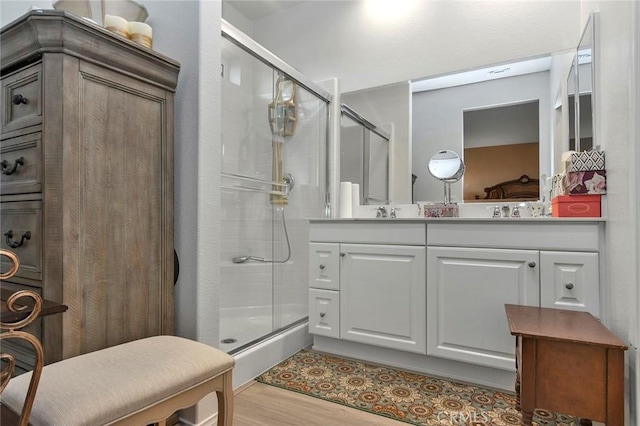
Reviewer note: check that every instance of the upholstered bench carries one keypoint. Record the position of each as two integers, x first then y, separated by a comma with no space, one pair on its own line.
137,383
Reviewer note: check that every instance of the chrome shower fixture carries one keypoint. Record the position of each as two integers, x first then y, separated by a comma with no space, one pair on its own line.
287,178
242,259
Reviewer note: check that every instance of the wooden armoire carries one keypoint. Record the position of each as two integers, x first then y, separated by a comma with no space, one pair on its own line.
87,180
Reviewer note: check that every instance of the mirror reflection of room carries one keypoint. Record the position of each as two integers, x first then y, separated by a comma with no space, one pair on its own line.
501,144
500,122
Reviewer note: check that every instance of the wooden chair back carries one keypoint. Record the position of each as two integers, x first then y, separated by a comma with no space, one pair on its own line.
12,330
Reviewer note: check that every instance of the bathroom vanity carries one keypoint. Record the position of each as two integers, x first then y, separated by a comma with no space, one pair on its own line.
429,294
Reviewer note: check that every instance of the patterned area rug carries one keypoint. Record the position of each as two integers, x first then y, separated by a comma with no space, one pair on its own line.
400,395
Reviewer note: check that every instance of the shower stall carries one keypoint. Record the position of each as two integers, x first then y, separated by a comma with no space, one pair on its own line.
274,177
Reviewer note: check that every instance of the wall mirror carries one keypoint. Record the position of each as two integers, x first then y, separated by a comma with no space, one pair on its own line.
364,156
585,94
572,78
502,115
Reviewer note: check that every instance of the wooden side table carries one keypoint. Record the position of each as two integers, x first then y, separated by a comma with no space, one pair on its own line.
567,362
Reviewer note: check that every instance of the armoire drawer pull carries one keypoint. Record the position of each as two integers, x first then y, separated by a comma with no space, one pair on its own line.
6,170
15,244
19,99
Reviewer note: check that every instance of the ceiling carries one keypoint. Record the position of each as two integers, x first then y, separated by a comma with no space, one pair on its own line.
256,9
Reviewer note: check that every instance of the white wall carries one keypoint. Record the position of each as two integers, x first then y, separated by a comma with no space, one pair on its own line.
438,122
617,84
413,38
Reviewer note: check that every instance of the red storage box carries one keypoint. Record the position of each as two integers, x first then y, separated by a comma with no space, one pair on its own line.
575,206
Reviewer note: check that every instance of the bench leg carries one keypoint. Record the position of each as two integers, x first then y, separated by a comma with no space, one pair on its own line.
225,401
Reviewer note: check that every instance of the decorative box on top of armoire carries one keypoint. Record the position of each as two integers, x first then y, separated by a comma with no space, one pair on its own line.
87,180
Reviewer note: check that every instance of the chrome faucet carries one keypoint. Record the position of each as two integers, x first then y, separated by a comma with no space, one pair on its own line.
392,213
382,212
496,211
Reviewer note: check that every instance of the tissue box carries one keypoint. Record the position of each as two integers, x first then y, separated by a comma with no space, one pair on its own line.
441,210
585,161
585,182
575,206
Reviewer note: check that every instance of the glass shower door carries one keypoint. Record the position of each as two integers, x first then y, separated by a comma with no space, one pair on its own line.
273,178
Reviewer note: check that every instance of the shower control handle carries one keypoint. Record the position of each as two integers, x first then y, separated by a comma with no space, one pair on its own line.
321,266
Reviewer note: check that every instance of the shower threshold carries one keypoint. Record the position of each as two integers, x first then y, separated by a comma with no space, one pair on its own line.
239,349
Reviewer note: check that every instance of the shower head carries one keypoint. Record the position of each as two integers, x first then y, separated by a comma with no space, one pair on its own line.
242,259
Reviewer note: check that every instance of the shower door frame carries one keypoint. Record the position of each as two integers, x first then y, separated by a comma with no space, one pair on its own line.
245,43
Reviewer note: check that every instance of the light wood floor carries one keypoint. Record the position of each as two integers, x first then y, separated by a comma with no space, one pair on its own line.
264,405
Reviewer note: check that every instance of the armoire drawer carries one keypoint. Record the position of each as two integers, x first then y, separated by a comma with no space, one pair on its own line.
22,98
21,164
21,228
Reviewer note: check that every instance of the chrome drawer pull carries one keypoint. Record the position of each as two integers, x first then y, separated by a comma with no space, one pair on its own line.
532,264
15,244
321,266
568,286
322,314
9,171
19,99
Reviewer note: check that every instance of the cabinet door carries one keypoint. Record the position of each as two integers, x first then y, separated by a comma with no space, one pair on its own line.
467,289
383,296
570,280
118,209
324,312
324,266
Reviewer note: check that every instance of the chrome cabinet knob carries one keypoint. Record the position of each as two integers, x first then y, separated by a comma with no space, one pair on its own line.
342,254
322,314
568,286
321,266
532,264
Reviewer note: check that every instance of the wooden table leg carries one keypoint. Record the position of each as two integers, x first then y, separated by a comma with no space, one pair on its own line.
615,387
527,379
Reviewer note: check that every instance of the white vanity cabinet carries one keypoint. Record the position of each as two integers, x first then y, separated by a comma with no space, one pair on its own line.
475,269
467,291
380,288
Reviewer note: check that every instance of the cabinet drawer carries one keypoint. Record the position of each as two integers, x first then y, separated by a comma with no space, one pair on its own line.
21,350
21,164
324,313
21,226
570,281
324,266
21,98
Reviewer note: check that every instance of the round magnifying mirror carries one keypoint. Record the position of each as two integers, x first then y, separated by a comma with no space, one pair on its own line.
446,166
